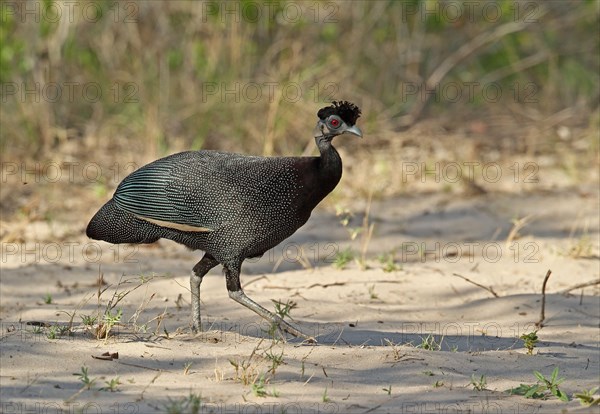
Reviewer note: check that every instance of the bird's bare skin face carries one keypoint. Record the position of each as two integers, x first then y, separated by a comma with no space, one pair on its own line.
337,119
334,126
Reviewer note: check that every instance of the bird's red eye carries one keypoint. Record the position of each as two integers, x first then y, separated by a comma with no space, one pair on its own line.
335,123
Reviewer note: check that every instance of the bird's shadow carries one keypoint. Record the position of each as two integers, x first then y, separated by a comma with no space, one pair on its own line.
338,334
346,335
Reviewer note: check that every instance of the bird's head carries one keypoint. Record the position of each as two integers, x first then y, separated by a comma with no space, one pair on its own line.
337,119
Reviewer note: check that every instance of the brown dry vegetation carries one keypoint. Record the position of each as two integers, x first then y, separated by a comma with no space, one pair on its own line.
158,75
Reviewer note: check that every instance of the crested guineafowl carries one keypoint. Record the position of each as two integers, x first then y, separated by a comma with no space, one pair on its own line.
230,206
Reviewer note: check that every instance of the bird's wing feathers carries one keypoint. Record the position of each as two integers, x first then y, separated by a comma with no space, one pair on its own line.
193,191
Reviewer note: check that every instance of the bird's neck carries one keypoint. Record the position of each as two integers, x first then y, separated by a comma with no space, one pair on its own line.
330,165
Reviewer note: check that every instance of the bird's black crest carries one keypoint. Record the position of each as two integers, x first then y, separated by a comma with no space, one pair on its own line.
344,109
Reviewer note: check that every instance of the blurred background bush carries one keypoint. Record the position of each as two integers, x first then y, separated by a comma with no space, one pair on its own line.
134,80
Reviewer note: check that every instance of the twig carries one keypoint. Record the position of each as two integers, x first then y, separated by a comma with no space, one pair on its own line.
455,58
72,397
519,66
540,323
366,238
325,285
489,289
518,224
249,282
160,371
141,397
581,285
339,336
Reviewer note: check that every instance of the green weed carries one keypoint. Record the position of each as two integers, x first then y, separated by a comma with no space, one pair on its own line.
479,384
429,343
372,294
276,360
530,340
111,385
586,397
388,263
342,258
543,389
325,398
189,405
84,377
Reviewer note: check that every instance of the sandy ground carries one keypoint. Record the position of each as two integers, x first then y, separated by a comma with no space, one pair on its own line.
371,324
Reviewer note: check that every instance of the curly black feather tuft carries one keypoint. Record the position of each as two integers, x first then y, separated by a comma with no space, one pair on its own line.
344,109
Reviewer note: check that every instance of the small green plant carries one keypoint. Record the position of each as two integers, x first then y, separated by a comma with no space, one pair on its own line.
388,389
273,331
345,217
429,343
111,385
84,377
543,389
582,248
37,329
372,293
365,231
325,397
190,405
438,384
530,340
110,317
479,384
396,354
276,360
428,373
64,330
245,372
388,263
586,397
528,391
342,258
344,214
284,309
88,320
53,332
258,388
48,299
110,320
186,368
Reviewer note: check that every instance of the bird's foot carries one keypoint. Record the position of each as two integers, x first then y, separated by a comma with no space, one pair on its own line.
277,323
196,326
282,327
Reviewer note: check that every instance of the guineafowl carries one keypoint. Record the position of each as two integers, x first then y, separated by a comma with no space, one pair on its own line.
230,206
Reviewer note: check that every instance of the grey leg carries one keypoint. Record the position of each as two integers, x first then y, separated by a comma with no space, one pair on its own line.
232,276
198,272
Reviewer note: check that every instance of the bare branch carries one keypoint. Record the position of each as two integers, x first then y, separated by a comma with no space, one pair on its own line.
489,289
581,285
540,323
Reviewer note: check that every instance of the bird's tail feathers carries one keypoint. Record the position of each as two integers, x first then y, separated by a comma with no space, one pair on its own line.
116,226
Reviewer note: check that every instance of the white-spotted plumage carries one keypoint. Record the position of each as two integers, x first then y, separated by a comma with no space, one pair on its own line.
231,206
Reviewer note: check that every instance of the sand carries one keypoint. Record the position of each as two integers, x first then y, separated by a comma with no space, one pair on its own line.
404,334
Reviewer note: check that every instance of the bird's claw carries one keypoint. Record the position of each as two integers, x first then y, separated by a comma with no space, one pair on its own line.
283,326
